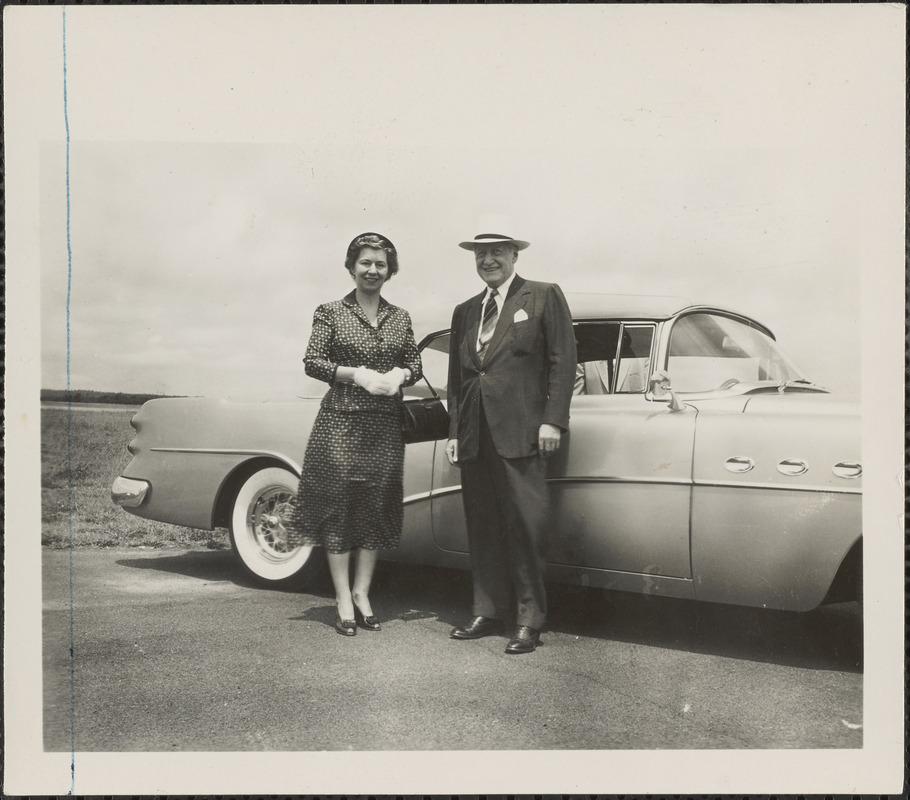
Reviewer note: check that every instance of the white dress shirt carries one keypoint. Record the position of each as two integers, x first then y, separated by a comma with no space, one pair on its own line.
500,299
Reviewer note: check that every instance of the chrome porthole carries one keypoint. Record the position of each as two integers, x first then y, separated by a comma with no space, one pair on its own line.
792,466
739,464
848,469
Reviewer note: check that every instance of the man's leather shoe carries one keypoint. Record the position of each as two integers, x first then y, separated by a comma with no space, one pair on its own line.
476,628
525,640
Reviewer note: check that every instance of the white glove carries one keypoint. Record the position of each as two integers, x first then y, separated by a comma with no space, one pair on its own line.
396,376
372,381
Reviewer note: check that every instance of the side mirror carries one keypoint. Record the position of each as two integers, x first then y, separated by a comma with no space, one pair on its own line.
660,386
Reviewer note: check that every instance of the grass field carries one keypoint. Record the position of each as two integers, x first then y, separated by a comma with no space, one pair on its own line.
76,485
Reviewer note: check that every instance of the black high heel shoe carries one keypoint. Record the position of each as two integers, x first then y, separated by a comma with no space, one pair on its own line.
346,627
369,623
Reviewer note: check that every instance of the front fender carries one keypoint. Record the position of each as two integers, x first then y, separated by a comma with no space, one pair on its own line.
774,514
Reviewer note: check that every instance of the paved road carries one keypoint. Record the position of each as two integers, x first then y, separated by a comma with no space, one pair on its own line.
176,651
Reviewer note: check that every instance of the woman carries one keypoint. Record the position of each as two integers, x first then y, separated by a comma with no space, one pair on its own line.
351,488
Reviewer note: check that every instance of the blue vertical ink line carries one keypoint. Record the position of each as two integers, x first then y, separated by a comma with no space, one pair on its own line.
69,425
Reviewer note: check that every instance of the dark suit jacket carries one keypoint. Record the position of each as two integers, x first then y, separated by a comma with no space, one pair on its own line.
527,374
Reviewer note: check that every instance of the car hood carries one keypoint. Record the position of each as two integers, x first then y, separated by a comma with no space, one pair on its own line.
808,404
771,402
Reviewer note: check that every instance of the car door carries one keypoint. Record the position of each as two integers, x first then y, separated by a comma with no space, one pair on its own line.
416,543
621,484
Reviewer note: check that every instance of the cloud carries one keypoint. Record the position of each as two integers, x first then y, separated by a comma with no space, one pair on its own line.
217,262
717,180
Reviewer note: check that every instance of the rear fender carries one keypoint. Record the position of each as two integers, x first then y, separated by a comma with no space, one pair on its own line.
193,452
227,492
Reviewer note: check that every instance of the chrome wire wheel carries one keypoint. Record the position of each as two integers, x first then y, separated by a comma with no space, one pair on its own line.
259,526
267,520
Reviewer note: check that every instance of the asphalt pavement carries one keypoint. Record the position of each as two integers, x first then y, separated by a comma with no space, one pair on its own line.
176,650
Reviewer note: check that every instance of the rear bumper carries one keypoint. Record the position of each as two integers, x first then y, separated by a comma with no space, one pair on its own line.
129,492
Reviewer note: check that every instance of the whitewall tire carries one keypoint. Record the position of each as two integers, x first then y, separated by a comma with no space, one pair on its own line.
259,517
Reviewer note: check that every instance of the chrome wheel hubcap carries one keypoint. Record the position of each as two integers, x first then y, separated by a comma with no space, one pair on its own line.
268,516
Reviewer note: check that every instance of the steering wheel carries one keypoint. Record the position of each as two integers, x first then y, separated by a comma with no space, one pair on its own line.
728,383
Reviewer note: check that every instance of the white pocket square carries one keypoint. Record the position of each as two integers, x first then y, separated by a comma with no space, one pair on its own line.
520,316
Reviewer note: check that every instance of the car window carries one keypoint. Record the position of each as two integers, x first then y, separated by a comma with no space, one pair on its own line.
434,359
605,366
710,351
634,359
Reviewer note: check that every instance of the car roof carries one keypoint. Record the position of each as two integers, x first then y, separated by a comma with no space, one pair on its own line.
598,306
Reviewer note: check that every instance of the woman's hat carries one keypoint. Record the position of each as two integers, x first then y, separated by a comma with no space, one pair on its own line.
485,239
370,235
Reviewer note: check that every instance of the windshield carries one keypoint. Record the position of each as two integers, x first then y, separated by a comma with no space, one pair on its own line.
708,352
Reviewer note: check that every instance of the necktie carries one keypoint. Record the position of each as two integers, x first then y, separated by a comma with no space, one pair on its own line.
490,315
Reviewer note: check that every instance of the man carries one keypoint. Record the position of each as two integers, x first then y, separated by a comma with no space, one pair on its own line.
511,376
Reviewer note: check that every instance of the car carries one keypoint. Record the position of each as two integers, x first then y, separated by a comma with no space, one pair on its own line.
700,463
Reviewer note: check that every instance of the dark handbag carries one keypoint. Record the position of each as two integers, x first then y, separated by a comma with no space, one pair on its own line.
424,419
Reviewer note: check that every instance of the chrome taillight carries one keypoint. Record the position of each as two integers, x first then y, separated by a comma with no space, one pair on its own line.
128,492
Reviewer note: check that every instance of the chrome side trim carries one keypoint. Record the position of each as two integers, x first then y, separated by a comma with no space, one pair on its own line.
226,451
729,484
779,487
415,498
211,451
676,482
621,479
602,570
444,491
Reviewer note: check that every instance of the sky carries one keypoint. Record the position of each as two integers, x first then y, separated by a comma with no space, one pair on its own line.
720,156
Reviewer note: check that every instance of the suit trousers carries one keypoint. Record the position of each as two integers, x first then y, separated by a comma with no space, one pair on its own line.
507,507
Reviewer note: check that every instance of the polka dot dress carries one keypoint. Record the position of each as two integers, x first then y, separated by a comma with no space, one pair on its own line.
351,488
